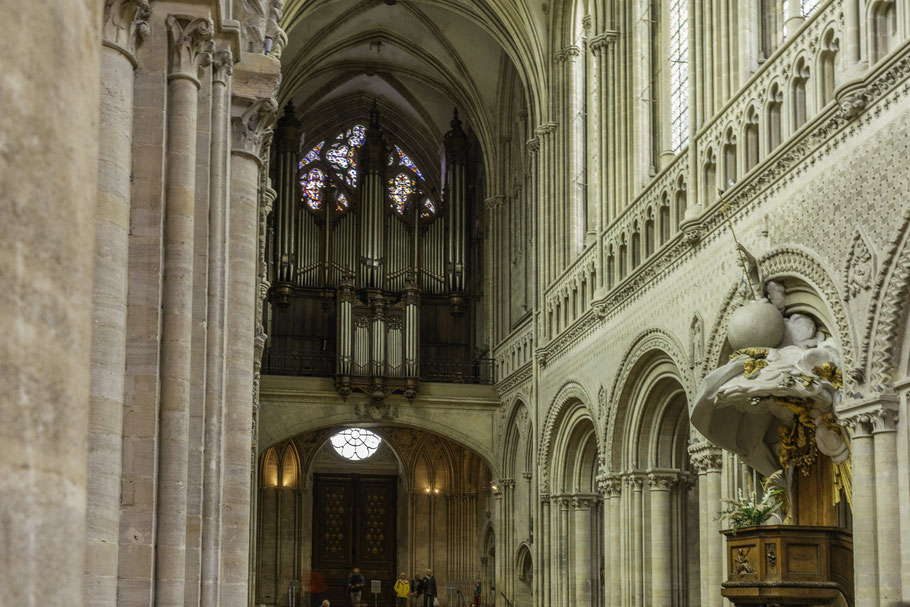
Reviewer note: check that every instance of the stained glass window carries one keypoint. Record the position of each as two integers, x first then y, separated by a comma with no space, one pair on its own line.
401,187
679,74
405,161
330,172
312,155
312,185
355,443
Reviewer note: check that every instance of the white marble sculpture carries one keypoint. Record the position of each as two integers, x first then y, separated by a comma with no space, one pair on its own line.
740,405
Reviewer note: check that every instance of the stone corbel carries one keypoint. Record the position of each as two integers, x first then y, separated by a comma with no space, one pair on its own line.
191,45
601,42
125,25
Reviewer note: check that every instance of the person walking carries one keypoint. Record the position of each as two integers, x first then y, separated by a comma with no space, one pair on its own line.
402,590
429,589
355,585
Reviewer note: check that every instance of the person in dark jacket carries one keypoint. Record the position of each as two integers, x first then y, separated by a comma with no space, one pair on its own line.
355,584
429,589
416,587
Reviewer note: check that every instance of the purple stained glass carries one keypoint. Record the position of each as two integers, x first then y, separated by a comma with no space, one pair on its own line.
401,187
312,184
407,162
312,155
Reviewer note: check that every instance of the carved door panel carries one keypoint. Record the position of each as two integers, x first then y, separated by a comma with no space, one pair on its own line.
354,526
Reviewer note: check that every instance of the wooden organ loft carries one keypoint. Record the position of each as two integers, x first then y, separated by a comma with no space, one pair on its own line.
374,268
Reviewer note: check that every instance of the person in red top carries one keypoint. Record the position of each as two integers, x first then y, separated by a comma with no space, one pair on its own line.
317,588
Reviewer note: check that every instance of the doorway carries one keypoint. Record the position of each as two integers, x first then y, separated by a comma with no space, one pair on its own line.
354,525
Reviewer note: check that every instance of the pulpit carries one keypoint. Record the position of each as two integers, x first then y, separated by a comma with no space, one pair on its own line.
789,565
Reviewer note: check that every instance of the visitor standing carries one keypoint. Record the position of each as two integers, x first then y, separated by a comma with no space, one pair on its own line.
429,589
355,584
416,588
402,590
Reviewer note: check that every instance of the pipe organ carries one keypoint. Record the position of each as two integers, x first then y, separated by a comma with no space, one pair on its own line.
364,250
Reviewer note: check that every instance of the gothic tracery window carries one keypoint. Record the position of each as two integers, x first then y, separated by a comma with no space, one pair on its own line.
330,174
355,443
679,74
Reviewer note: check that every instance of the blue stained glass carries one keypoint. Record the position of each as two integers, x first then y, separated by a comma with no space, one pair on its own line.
407,162
357,135
429,209
311,155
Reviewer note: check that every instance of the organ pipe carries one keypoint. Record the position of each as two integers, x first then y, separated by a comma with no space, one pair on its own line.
373,209
456,145
288,141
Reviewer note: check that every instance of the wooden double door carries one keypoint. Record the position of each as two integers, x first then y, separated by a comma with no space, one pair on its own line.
354,525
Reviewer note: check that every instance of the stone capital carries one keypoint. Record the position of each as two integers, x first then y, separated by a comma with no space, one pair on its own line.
507,483
126,24
544,499
602,41
222,65
533,145
871,415
253,126
662,480
494,202
705,457
583,502
190,45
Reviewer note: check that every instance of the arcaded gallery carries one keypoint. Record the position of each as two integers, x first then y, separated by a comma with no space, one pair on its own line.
455,303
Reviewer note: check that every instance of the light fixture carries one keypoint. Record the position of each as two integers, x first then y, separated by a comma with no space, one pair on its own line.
435,490
428,489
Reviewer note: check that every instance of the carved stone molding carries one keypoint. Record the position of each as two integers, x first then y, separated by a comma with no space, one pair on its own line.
252,126
494,202
125,25
190,45
533,145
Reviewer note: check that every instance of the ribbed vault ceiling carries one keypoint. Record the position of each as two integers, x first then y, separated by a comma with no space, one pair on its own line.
418,59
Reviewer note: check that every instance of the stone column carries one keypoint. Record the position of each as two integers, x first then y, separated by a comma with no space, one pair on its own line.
251,120
794,19
862,460
544,571
564,588
661,484
583,571
214,397
614,539
48,177
638,579
887,507
706,458
125,25
189,39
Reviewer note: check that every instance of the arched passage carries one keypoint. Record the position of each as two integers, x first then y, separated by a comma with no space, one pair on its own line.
653,501
416,501
573,517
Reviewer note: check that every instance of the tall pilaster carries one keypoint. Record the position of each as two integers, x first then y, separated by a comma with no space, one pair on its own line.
189,51
373,207
637,574
125,26
222,65
252,120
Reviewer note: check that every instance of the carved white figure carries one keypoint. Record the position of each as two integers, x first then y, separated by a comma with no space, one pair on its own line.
740,405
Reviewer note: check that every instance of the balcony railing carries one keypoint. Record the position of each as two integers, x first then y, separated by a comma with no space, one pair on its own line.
322,364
